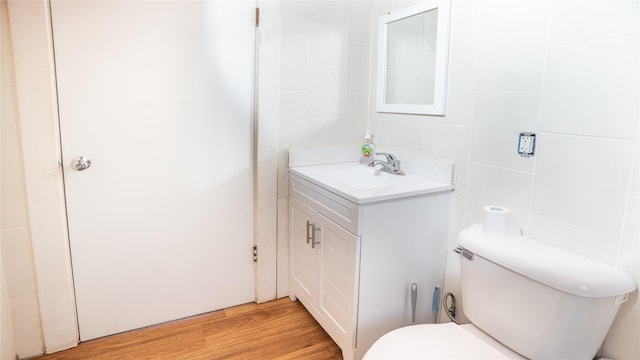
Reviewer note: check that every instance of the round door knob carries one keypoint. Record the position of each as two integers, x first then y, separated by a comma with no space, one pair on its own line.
80,163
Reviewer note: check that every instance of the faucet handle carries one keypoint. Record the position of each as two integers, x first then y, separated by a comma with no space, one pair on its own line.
390,157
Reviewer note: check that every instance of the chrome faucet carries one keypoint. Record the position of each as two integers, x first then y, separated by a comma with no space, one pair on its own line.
392,165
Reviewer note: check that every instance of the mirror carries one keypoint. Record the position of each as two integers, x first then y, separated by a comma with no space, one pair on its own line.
412,59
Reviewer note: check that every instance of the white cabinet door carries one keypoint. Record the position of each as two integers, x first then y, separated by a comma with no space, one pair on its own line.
339,257
303,259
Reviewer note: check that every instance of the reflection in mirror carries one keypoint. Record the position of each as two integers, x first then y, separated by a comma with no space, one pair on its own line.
412,59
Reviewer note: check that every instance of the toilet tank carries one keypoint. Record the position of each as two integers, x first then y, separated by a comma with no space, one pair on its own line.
542,302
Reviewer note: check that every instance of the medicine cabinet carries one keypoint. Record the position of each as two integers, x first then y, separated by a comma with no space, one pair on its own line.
413,52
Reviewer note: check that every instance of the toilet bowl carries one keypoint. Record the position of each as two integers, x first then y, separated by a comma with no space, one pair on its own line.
439,341
525,300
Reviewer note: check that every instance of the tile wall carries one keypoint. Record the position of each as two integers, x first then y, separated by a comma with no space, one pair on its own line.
17,254
568,70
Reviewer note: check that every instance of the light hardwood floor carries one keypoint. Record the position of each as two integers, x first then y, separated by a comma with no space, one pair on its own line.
279,329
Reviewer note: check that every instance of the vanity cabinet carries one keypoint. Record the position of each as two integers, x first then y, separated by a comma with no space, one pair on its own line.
324,269
352,264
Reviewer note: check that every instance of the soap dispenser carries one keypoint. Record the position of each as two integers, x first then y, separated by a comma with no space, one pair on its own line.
367,148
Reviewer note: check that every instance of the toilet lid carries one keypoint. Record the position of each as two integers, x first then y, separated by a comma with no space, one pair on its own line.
439,341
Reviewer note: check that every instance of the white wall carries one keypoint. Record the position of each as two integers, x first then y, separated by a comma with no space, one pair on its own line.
17,253
567,70
7,340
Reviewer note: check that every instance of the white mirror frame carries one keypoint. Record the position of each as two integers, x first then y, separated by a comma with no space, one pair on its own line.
441,58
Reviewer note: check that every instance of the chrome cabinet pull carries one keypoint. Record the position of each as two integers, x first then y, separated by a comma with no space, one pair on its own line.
313,236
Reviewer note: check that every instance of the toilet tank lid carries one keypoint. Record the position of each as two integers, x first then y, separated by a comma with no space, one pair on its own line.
549,265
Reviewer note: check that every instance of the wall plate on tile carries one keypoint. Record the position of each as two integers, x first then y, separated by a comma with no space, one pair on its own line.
526,144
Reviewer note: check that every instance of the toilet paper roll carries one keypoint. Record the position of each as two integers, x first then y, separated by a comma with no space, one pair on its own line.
497,221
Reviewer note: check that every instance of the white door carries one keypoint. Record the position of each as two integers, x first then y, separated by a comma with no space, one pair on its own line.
159,96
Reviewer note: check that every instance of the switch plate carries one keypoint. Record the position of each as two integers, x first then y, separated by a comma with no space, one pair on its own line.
526,144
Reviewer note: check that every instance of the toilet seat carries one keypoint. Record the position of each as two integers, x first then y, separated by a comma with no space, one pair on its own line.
439,341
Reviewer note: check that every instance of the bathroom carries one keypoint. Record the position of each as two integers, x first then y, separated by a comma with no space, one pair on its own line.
567,70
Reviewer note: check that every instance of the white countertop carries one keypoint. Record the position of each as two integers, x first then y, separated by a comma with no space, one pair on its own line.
361,184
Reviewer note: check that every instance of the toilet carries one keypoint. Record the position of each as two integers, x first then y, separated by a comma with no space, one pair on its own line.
525,300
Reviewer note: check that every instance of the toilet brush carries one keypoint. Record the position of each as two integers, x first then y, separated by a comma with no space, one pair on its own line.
435,305
414,299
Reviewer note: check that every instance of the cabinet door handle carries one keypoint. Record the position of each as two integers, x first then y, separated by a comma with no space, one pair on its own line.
313,236
309,236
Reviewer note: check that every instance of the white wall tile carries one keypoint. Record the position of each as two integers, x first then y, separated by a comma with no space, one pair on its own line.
460,92
328,91
293,118
295,17
580,20
294,62
13,208
457,218
582,180
574,238
464,28
17,257
328,131
360,58
489,185
635,177
405,132
358,118
629,241
380,128
498,120
593,89
512,38
329,38
362,21
452,143
380,8
26,325
401,4
336,7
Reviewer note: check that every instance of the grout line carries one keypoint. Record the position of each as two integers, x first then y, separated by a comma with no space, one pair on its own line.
586,136
600,233
539,122
465,209
501,168
583,42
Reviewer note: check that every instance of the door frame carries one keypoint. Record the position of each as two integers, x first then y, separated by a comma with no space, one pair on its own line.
30,26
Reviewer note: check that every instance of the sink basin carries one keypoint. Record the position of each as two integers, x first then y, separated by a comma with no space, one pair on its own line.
363,184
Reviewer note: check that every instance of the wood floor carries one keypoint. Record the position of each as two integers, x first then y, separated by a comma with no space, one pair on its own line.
279,329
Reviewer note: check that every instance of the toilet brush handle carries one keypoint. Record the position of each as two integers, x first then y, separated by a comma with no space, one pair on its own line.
414,299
